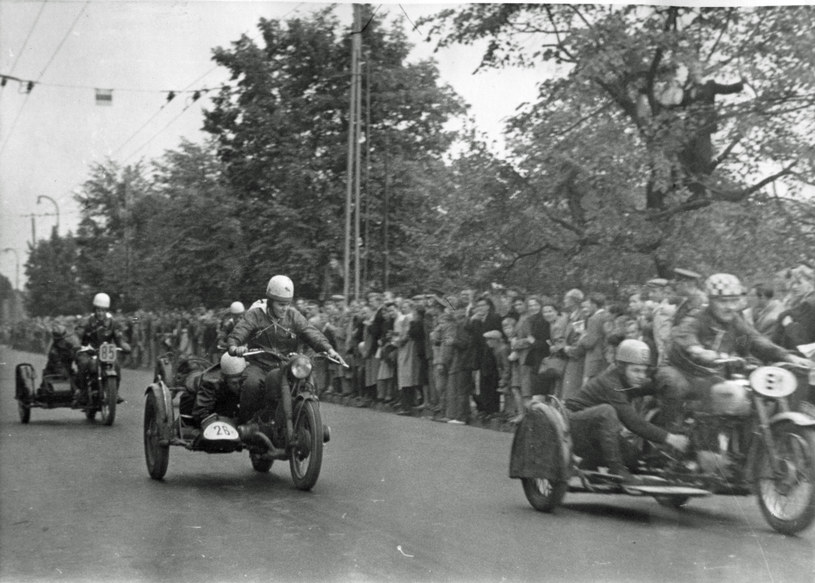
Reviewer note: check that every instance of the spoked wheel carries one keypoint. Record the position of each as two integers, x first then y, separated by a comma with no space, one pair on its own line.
544,494
108,396
307,451
156,454
260,464
787,497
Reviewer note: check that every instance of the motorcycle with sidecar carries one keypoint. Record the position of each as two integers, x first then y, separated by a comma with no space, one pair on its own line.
102,387
745,440
292,431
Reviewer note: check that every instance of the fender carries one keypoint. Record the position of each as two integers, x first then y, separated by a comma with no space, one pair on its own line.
164,403
796,417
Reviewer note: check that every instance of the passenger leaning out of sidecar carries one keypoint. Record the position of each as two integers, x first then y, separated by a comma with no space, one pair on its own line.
61,353
602,407
219,389
277,326
699,339
97,329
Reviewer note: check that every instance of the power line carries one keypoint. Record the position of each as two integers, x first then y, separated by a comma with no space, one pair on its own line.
28,36
127,141
22,107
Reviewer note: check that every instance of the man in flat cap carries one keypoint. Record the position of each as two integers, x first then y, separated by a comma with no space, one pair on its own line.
691,298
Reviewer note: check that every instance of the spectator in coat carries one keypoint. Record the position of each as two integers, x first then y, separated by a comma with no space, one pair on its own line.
591,347
796,325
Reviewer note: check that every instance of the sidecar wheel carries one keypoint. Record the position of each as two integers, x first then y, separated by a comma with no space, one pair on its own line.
25,391
108,397
307,453
787,499
672,501
156,455
259,464
90,414
543,494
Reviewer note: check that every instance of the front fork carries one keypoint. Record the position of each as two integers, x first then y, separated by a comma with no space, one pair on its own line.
764,430
285,400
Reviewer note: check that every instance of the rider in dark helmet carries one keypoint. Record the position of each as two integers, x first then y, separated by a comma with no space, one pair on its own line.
602,407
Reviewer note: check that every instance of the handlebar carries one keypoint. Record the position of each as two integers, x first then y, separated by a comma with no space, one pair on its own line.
92,349
257,351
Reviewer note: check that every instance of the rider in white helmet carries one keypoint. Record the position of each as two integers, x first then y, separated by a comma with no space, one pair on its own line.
702,337
222,389
98,328
277,326
602,407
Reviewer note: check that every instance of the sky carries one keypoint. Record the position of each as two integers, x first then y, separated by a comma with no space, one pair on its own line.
50,136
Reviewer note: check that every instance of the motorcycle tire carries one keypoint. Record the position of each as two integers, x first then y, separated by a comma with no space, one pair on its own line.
306,456
108,397
544,495
787,500
25,391
156,455
90,414
672,501
259,464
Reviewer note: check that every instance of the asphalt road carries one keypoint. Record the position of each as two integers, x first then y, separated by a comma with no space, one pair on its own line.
399,499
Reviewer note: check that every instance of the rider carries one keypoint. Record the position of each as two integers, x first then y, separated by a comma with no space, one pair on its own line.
223,388
700,339
275,326
236,312
61,354
100,327
602,407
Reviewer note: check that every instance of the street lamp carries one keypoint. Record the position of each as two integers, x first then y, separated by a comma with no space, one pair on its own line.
17,257
56,206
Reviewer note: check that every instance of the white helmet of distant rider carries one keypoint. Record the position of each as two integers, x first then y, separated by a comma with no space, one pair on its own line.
280,292
236,308
726,295
101,302
633,359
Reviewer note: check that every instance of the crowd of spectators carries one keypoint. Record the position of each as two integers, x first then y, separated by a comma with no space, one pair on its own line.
455,357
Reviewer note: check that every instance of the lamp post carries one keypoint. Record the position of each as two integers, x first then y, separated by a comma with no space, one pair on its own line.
56,206
17,258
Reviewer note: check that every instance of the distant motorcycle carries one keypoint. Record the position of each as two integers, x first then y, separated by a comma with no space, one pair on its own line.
747,441
293,431
102,388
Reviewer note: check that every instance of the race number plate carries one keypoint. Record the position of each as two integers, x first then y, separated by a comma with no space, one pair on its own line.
220,431
107,352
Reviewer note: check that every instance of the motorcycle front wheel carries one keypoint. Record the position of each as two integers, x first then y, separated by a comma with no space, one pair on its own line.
543,494
307,446
787,497
107,399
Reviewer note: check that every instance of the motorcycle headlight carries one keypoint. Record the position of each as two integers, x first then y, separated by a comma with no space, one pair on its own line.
301,367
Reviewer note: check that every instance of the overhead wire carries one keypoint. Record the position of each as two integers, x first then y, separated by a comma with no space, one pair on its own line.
51,60
28,36
186,89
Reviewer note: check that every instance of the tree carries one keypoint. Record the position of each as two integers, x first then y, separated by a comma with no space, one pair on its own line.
53,286
191,248
282,130
650,115
112,207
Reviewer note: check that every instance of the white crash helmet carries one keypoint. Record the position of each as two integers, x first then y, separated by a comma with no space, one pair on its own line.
232,365
723,285
632,351
280,289
101,300
236,308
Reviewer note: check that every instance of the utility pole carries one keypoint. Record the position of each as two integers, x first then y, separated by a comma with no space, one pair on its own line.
56,206
385,212
352,148
358,159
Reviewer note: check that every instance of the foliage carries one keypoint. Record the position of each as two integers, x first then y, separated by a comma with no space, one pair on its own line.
625,145
282,134
53,286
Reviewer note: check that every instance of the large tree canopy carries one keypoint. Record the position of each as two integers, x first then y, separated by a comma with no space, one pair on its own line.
282,133
648,113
